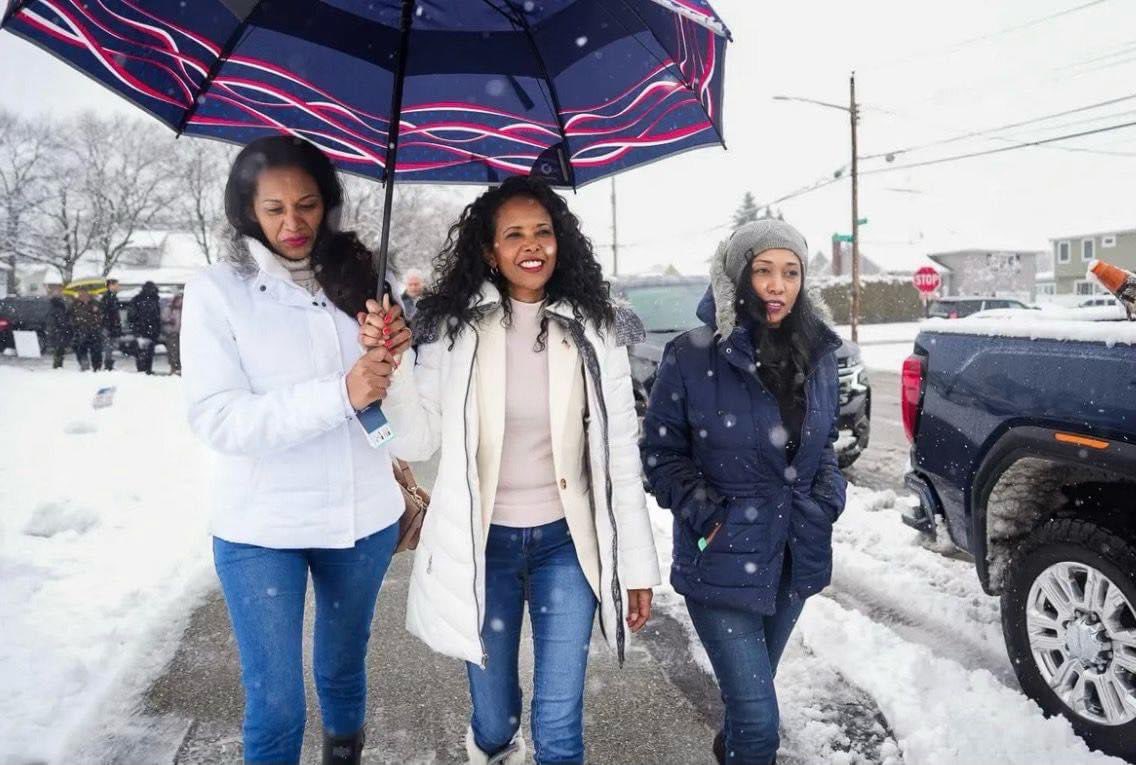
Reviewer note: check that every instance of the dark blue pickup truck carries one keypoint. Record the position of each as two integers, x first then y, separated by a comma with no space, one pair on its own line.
1023,439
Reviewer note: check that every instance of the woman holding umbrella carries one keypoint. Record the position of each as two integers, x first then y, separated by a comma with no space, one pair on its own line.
273,377
738,443
522,380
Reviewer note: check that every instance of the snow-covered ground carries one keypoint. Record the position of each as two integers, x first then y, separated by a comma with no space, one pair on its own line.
103,543
911,629
884,346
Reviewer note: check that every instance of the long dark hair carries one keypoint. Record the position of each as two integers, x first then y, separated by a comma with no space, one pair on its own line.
785,353
462,270
343,265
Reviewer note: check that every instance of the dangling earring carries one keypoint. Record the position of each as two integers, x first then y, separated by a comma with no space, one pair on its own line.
493,271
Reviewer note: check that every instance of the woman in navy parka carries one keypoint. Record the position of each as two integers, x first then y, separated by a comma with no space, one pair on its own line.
738,443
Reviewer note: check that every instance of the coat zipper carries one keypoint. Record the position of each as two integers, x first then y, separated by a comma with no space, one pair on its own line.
469,487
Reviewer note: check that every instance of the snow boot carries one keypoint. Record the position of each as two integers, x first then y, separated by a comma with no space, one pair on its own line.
343,750
513,754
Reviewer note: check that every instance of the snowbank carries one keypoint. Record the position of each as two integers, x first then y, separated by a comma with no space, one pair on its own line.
103,518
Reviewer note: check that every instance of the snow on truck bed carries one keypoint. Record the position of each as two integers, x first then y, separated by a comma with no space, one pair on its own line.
1104,324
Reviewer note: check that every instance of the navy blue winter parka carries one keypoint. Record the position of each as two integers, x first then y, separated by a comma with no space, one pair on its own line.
713,452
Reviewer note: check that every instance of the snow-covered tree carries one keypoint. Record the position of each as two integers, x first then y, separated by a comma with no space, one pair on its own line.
747,211
25,149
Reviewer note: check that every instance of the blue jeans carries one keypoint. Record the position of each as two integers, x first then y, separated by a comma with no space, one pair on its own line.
539,565
744,649
265,590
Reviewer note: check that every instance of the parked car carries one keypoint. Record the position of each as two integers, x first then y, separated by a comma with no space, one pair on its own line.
667,304
961,307
1099,300
1023,437
24,313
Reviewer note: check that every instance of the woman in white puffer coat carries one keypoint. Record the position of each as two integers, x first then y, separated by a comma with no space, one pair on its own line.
522,379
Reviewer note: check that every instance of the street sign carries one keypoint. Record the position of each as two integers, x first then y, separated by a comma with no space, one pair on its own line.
927,280
843,238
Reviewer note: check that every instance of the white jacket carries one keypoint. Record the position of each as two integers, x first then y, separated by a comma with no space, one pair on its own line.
264,368
440,402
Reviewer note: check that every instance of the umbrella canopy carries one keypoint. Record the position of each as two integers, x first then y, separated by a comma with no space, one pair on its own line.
567,90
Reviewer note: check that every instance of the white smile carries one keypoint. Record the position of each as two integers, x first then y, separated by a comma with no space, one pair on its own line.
531,264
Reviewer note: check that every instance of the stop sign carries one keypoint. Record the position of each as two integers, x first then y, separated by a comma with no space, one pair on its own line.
927,280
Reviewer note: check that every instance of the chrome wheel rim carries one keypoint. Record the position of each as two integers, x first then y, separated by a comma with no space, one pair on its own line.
1082,634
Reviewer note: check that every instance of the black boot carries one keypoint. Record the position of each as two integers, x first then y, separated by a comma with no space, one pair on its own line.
720,748
343,750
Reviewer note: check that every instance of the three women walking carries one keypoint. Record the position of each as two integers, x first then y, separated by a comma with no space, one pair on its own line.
520,379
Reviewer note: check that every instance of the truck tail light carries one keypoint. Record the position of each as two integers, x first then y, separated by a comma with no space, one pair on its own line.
911,390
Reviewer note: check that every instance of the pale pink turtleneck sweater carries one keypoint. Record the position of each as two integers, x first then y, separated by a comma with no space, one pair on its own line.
526,490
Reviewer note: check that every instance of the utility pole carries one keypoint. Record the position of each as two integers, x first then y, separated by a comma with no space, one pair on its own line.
614,233
854,319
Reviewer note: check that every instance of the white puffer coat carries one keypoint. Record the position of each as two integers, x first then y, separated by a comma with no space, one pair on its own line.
439,401
264,367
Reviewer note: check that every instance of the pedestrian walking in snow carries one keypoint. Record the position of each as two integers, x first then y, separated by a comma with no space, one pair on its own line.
87,318
274,375
146,324
171,332
112,322
412,291
60,328
738,443
523,381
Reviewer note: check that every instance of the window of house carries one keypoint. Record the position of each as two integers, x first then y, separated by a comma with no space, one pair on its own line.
1088,250
1108,241
1046,288
1062,252
1086,287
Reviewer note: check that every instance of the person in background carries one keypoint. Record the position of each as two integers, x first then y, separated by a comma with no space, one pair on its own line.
171,332
112,322
738,443
415,284
60,329
87,317
146,325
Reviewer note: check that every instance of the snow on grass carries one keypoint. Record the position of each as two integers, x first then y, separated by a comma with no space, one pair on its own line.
921,639
103,535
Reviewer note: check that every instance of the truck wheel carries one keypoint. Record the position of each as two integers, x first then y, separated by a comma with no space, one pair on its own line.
1069,620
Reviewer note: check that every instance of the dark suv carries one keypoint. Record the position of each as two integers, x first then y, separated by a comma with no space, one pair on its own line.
666,305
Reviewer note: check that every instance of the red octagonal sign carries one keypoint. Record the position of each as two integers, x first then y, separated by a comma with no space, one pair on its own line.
927,280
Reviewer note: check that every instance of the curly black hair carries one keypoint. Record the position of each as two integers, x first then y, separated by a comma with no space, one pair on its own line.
463,271
343,265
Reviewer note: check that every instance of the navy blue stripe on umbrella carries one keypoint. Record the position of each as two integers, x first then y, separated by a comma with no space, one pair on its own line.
568,90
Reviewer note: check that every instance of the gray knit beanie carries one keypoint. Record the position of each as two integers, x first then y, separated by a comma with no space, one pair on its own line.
735,254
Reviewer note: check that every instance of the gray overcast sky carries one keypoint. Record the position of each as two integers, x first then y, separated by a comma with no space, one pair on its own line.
917,83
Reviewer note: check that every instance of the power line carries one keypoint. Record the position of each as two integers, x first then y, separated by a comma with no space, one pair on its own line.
1002,150
1001,128
949,49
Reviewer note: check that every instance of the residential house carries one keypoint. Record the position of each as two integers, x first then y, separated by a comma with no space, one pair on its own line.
998,273
1072,254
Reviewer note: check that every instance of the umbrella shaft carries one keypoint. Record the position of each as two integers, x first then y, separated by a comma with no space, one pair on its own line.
392,137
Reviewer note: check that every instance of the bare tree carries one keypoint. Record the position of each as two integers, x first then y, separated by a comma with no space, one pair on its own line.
198,203
419,221
62,230
125,173
25,149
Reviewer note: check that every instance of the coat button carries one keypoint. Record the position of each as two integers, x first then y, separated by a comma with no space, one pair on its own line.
315,303
263,288
563,484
